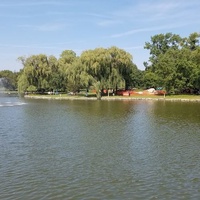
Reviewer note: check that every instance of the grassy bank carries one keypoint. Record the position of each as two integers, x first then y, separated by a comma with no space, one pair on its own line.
133,97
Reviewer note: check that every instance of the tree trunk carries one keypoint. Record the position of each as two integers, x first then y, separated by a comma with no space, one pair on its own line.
98,90
116,88
99,95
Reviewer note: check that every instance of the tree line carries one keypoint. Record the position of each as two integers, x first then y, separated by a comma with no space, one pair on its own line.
174,65
101,68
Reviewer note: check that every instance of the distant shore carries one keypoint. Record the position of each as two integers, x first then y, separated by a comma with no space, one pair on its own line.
184,98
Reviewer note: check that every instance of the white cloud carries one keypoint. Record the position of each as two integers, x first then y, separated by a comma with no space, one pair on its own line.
149,29
50,27
131,32
45,27
157,11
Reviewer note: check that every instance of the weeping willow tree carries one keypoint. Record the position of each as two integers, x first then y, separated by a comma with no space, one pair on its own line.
109,68
75,80
23,83
36,73
100,68
66,69
95,66
121,67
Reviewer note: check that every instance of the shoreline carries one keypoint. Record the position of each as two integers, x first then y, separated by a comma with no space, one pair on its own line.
111,98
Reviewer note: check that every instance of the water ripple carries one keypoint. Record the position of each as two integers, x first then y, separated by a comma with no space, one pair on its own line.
99,150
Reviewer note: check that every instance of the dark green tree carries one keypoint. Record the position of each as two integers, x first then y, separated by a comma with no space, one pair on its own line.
173,62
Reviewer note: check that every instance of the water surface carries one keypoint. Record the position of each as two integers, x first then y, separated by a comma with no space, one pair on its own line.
54,149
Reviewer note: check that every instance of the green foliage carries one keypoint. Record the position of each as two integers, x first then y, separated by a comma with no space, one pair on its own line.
23,83
37,70
31,88
150,79
76,76
107,68
161,43
42,72
174,63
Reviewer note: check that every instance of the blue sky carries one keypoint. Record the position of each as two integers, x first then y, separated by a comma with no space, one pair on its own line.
30,27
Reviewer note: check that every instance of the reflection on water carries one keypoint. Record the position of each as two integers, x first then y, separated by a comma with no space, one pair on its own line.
99,150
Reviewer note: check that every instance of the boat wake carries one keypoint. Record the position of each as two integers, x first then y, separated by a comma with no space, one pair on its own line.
10,104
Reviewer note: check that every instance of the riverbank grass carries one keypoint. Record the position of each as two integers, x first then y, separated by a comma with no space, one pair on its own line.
111,97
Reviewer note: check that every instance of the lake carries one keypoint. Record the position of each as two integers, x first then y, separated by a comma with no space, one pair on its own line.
74,149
